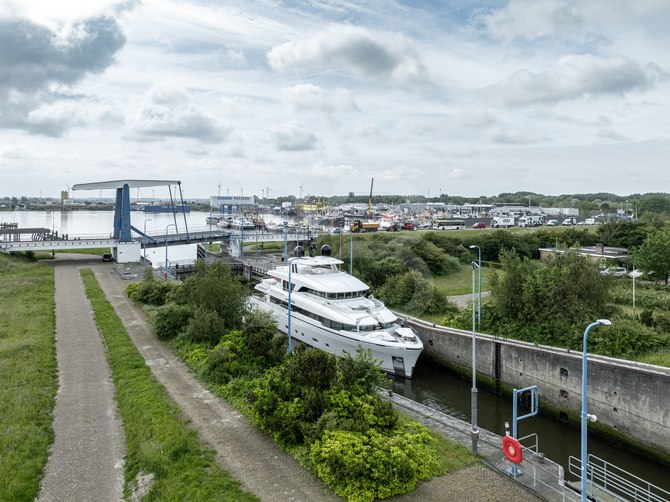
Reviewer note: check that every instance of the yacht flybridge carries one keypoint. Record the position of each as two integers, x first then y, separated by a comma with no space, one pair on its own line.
334,311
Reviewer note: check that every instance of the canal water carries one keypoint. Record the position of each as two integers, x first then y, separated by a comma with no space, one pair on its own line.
440,389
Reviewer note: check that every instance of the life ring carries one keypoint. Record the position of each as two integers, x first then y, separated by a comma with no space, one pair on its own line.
512,449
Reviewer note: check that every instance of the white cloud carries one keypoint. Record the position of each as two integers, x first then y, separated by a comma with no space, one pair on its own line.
576,76
312,97
459,173
359,51
292,137
531,20
168,112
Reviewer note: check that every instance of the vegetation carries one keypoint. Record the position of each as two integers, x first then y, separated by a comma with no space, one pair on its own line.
323,409
28,375
157,439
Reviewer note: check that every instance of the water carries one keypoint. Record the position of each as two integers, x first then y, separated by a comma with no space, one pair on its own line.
436,387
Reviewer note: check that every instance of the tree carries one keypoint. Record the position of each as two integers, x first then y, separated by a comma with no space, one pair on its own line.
547,304
653,255
215,289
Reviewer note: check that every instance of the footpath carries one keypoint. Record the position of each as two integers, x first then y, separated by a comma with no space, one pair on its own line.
248,455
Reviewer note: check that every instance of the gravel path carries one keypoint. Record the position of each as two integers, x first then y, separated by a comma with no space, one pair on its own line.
86,461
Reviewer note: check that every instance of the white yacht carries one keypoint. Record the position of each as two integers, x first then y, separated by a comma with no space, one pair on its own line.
333,311
242,223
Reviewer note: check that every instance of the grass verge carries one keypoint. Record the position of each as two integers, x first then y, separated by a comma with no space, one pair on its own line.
460,282
157,440
28,375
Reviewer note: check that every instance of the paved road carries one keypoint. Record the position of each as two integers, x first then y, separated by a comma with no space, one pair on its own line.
86,461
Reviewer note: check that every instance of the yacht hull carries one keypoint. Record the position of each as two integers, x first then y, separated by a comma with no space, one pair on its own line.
395,358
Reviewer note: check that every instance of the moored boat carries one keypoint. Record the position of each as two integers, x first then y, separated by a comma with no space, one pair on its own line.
335,312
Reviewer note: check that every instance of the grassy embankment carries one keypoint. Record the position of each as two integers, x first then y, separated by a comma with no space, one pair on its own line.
157,439
28,375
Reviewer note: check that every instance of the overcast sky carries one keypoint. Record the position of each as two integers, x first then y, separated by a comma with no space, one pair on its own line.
426,97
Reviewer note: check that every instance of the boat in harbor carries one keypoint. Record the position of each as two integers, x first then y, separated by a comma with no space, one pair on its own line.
242,223
335,312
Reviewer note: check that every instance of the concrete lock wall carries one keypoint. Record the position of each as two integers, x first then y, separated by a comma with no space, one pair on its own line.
630,399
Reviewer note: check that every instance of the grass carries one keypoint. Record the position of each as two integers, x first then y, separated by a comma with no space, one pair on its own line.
460,283
46,255
28,375
157,439
660,358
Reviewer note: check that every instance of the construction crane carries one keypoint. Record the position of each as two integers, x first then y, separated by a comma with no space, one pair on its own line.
370,199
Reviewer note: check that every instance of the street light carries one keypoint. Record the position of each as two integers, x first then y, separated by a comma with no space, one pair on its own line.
290,287
634,274
479,279
586,417
474,432
351,249
167,274
145,239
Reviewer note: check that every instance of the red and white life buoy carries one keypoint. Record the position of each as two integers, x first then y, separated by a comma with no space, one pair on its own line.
512,449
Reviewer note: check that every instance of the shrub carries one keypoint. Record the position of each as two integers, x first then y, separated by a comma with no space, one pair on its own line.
362,467
625,338
205,326
149,291
171,320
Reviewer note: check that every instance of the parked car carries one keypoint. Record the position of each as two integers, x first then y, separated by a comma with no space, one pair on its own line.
479,224
552,223
614,271
336,230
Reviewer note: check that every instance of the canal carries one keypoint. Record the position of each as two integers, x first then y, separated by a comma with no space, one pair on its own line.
442,390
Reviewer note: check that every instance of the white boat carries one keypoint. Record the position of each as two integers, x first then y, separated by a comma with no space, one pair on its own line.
243,223
333,311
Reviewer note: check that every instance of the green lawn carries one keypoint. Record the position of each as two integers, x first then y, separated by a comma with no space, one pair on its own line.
28,375
460,283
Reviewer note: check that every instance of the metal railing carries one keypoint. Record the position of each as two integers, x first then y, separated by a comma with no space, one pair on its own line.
540,474
616,482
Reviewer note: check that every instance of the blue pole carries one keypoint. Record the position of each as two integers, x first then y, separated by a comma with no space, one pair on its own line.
479,277
473,401
585,416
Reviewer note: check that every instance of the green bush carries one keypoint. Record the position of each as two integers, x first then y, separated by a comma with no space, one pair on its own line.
171,320
625,338
149,291
205,326
362,467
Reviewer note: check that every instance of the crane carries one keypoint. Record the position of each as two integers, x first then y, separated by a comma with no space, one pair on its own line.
370,199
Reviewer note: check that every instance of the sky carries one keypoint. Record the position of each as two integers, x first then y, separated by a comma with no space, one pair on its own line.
279,98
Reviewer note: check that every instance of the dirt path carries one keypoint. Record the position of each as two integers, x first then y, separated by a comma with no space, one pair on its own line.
86,461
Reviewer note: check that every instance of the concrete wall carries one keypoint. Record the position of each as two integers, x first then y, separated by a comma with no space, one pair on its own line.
631,398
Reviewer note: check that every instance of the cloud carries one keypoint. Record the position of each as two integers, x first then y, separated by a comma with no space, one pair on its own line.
34,56
459,173
36,63
576,76
611,134
312,97
292,137
362,52
169,112
531,20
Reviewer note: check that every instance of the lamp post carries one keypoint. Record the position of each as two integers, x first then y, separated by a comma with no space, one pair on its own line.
167,274
145,239
473,400
585,416
351,250
479,280
290,287
634,274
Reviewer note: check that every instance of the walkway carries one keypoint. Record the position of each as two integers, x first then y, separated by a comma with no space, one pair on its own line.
86,461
